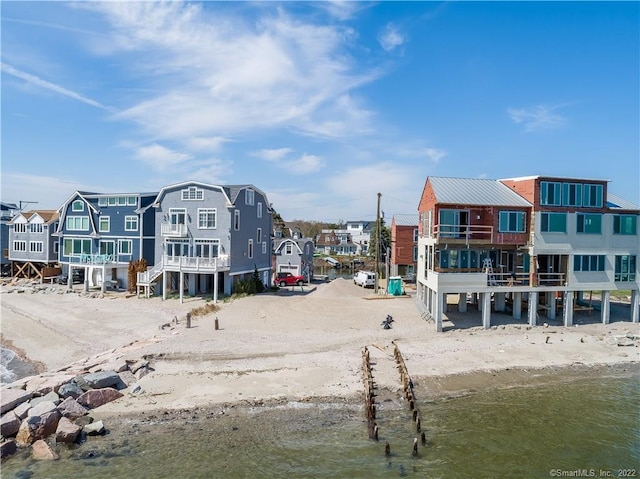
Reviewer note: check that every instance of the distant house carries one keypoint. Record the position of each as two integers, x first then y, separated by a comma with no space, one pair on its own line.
404,241
32,244
336,242
102,233
540,241
294,255
360,232
7,211
209,237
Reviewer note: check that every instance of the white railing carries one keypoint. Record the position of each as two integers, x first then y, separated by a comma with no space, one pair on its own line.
195,264
178,230
466,232
150,275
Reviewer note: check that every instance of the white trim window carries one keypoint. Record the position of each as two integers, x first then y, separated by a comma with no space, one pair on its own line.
249,196
20,228
125,247
207,218
236,220
122,201
35,246
104,224
132,201
131,223
77,205
20,245
192,194
259,235
36,228
102,201
259,209
56,247
288,249
76,246
264,247
107,247
250,254
78,223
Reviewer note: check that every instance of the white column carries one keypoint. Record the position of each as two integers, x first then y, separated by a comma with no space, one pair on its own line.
568,309
164,284
437,310
462,302
181,287
605,306
192,280
486,310
635,306
533,308
500,301
215,287
103,288
517,305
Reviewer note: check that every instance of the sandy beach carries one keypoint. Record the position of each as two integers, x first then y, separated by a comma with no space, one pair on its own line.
293,345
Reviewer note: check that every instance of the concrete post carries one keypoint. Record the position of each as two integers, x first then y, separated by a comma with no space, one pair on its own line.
462,302
517,305
635,306
165,274
103,288
181,287
568,309
500,301
533,308
437,310
551,302
605,306
486,310
215,287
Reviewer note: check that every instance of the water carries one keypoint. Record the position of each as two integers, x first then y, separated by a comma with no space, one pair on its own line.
524,432
12,367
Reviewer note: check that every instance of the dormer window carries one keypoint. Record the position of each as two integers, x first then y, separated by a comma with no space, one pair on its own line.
249,196
192,194
77,205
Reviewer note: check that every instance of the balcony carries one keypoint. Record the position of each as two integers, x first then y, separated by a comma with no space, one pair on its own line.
168,230
191,264
478,234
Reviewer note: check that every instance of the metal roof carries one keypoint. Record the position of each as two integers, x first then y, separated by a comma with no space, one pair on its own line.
475,191
614,201
406,220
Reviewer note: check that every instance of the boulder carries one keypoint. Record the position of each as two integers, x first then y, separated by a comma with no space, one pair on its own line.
10,398
72,409
41,408
70,389
67,432
9,424
97,397
94,429
142,372
41,451
81,383
48,382
118,365
7,448
83,421
22,410
37,427
143,363
103,379
50,396
128,378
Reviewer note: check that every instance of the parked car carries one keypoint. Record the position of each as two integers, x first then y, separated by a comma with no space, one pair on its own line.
78,277
365,279
287,279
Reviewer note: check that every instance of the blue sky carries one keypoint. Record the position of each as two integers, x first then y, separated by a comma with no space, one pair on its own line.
320,105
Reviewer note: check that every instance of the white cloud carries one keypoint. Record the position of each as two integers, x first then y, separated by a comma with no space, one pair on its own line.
276,154
212,143
435,154
160,157
34,80
537,118
390,38
306,164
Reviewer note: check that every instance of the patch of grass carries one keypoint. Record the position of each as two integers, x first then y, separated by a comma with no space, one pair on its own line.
204,310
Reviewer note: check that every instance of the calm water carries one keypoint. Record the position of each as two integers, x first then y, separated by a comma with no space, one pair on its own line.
524,433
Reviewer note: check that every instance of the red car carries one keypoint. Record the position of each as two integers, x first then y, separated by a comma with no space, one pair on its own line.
288,279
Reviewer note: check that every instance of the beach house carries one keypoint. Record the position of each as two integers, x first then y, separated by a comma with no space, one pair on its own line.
102,234
294,255
404,245
33,248
7,211
208,237
535,244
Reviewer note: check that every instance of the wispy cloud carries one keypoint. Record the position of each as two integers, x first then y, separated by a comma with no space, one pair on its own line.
160,157
34,80
300,166
539,117
306,164
435,154
275,154
390,38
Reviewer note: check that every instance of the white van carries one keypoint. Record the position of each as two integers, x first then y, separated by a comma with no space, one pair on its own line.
365,279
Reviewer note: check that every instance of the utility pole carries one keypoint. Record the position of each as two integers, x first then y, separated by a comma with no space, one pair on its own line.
376,282
25,203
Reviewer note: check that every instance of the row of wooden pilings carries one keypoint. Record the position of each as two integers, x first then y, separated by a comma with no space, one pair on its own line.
370,395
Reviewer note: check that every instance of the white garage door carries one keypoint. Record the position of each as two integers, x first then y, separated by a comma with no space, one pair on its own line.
286,268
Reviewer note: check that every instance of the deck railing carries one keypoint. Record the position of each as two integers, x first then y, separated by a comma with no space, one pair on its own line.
173,230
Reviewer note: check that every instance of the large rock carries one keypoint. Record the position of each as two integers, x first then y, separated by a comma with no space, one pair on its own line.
49,382
128,378
70,389
103,379
118,365
41,451
94,429
42,408
67,432
9,424
143,363
37,427
72,409
22,410
50,396
10,398
7,448
97,397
